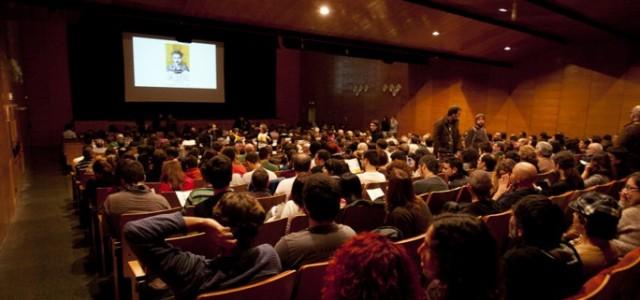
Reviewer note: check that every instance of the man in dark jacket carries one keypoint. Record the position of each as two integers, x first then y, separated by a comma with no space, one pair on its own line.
630,138
447,134
477,134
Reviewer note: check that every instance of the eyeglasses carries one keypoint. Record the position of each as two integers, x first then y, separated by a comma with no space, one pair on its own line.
630,188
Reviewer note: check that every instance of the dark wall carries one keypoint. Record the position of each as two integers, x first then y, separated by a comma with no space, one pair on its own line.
97,70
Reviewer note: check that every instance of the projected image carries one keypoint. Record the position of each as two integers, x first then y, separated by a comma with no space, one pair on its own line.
164,63
177,58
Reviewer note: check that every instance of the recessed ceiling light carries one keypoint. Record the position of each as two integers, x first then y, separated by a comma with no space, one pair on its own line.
503,10
507,48
435,33
324,10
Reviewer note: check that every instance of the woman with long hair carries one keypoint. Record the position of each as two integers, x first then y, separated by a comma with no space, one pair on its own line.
173,178
405,211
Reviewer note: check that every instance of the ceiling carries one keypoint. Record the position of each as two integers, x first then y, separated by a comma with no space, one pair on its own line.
474,29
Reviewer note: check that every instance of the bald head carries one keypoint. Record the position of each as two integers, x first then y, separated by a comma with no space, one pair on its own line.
524,174
635,113
594,148
301,163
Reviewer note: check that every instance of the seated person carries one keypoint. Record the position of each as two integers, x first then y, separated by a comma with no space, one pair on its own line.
405,211
457,176
254,164
629,225
595,220
513,187
540,266
481,203
173,178
301,164
237,219
321,202
370,266
370,162
293,207
135,196
259,186
459,258
192,171
428,168
350,189
598,170
487,162
217,172
569,179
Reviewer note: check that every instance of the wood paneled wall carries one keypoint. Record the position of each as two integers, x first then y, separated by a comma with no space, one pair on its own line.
580,91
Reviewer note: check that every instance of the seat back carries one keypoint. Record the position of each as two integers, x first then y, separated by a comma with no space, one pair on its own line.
297,223
172,198
605,188
309,281
464,196
276,287
240,187
269,202
436,200
196,243
550,177
200,183
102,194
285,173
617,187
563,200
411,245
154,185
363,216
499,227
271,232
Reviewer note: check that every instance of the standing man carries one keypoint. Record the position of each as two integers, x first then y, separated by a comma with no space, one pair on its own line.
630,138
477,134
447,133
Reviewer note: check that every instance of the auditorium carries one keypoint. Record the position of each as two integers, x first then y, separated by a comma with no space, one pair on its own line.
320,149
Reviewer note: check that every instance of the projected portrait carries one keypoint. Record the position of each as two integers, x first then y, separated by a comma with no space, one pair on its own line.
177,58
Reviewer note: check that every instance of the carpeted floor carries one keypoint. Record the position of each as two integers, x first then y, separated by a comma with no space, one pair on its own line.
46,254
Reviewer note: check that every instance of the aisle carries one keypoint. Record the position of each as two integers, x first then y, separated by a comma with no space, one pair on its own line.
45,255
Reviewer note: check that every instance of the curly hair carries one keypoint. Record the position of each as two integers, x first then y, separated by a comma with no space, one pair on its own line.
370,266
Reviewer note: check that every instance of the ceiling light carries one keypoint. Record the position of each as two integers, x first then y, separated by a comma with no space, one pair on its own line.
324,10
503,10
507,48
435,33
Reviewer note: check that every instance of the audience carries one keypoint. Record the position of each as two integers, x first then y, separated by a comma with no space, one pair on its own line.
174,179
369,266
598,170
511,188
259,186
371,161
540,266
217,171
544,151
252,160
321,202
428,168
301,164
629,226
236,220
457,176
191,170
406,212
350,188
459,257
595,220
569,178
481,202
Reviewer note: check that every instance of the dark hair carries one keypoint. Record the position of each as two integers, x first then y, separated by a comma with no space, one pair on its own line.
172,152
372,157
229,152
190,162
399,155
323,154
513,155
400,191
431,162
321,197
453,110
217,171
382,143
467,261
598,224
635,177
541,221
243,214
301,163
87,152
454,162
252,157
481,185
601,164
370,266
485,147
489,162
336,167
350,187
264,152
470,155
131,171
259,179
297,187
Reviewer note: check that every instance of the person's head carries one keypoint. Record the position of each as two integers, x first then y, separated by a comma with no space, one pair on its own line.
264,153
594,148
480,120
229,152
131,172
176,57
635,114
564,161
458,250
454,112
400,191
538,222
172,174
374,125
217,171
322,156
544,149
382,144
399,156
452,167
297,187
371,158
370,266
253,160
469,158
336,167
243,214
259,180
487,162
428,165
350,187
630,194
301,163
102,168
480,183
190,162
321,197
523,174
598,214
601,164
